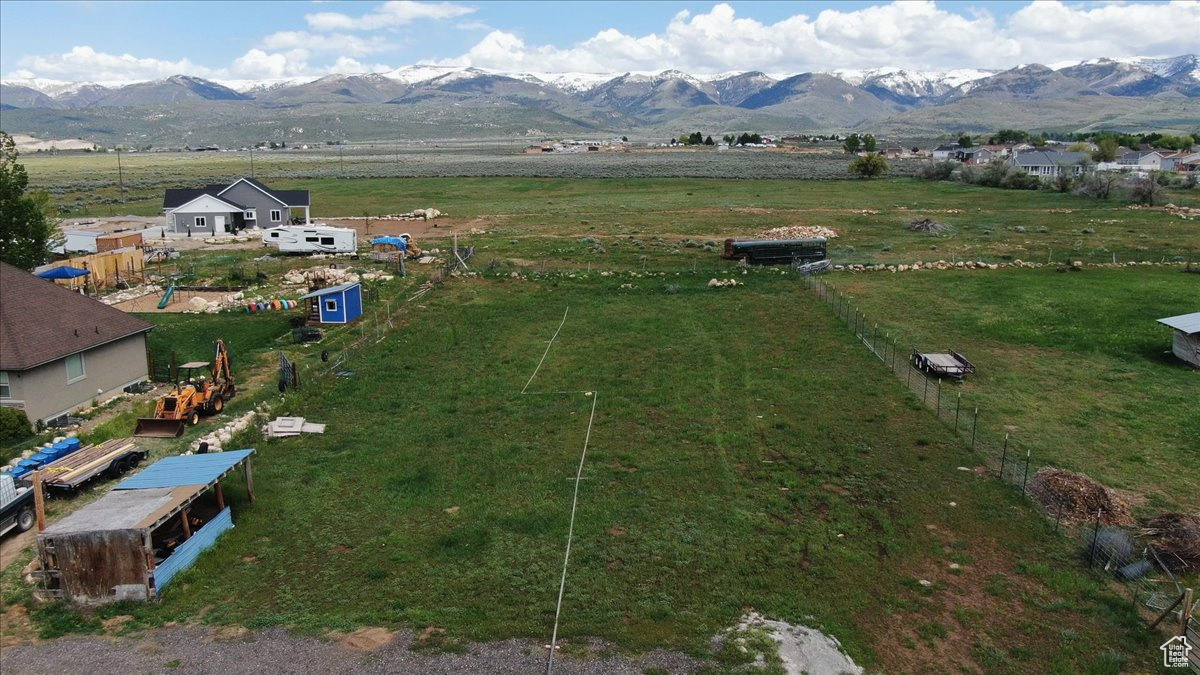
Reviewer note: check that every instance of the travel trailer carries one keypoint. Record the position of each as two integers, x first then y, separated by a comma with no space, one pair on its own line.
315,238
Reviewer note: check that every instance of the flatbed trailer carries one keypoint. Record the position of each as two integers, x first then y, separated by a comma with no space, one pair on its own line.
949,364
113,457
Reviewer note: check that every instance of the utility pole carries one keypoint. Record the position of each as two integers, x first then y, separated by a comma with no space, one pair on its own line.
120,174
252,161
341,164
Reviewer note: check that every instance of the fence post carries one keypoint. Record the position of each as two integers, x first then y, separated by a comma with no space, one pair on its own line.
1004,457
974,426
1185,612
939,408
925,394
957,406
1095,539
908,382
1026,478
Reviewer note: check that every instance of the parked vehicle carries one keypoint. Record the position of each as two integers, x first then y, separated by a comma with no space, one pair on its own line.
315,238
110,458
16,504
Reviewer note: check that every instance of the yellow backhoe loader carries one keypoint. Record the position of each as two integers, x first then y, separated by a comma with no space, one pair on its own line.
191,398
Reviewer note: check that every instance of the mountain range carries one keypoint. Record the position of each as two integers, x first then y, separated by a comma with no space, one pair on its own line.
1154,92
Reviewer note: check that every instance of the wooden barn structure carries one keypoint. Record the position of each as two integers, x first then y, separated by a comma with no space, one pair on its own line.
1186,342
130,543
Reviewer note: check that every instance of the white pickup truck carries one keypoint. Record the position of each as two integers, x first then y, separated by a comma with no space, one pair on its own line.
16,504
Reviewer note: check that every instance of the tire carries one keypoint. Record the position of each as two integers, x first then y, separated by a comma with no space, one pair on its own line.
194,418
218,404
25,519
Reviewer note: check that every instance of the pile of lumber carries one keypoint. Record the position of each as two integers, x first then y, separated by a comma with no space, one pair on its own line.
282,427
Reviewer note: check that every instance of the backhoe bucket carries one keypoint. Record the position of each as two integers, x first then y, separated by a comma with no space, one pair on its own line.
157,428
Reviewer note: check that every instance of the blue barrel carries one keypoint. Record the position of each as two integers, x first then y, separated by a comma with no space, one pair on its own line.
40,459
57,450
72,444
20,471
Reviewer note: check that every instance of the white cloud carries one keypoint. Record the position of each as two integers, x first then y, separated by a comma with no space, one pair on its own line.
387,15
84,63
338,43
913,34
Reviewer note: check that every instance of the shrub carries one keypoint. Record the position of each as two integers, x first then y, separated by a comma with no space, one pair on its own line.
937,170
14,426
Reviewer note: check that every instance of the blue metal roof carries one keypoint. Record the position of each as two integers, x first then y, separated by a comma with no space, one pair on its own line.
332,289
186,470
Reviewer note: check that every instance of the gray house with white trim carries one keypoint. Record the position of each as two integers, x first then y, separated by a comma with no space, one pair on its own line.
223,209
1047,165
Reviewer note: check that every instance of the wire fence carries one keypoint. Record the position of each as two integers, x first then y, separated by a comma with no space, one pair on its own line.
1104,544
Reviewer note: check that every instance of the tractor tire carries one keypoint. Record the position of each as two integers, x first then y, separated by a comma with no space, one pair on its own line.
194,418
25,519
218,404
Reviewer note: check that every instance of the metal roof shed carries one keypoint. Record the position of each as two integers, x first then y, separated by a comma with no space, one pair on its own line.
1186,341
131,542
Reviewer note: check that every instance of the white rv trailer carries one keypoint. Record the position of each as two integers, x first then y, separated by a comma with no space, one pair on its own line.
314,238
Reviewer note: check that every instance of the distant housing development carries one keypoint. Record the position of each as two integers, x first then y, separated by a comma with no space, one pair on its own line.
221,209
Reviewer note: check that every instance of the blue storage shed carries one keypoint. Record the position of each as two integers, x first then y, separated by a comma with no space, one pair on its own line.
336,304
133,541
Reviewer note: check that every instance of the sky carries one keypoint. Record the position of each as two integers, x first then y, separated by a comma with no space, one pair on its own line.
112,41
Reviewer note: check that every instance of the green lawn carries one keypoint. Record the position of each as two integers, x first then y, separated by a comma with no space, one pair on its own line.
1073,365
746,453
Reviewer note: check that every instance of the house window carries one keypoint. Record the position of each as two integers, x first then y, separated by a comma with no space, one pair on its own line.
75,371
276,215
5,392
249,215
331,305
201,222
311,240
275,235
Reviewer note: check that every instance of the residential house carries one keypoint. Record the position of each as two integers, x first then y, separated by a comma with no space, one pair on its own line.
975,155
1047,165
943,153
1189,162
219,209
60,350
1140,160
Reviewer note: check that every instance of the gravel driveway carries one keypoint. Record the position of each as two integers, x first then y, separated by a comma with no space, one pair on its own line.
211,650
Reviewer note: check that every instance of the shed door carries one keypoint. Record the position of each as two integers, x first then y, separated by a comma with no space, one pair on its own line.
93,564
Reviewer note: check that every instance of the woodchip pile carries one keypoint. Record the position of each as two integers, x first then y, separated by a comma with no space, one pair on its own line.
1077,497
797,232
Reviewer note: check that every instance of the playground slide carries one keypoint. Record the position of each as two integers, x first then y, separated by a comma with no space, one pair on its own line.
166,298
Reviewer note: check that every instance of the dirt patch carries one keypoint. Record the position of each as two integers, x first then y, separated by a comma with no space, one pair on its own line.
180,302
15,627
368,639
928,226
419,229
1078,497
1176,536
616,531
115,623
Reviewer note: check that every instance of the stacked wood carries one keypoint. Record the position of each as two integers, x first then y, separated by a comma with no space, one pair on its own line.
1176,537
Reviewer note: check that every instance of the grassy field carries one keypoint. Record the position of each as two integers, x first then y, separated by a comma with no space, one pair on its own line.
746,453
530,217
1074,365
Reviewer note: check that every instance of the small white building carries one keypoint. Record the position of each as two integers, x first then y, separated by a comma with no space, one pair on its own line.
314,238
1186,342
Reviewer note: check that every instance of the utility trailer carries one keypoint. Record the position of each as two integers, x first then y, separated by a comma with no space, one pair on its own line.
949,364
776,251
112,458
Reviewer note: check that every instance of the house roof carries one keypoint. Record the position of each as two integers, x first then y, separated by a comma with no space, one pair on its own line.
1044,158
946,148
42,322
1188,323
329,291
173,198
228,202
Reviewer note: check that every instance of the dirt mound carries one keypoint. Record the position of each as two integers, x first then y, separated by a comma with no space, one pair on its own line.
1078,497
797,232
929,226
1176,537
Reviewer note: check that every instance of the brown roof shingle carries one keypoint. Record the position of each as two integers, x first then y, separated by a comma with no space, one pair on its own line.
41,321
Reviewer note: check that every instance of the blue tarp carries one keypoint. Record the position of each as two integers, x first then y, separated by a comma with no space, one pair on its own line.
398,242
62,272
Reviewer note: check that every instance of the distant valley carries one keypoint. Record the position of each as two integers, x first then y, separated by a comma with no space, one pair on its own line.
432,102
